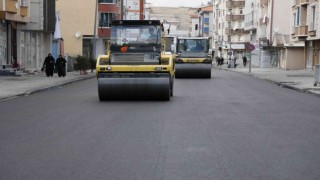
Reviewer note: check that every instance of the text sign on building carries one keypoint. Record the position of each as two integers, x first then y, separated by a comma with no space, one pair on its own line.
24,3
133,9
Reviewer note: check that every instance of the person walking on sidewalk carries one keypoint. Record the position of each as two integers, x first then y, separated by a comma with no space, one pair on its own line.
244,59
61,66
49,65
220,57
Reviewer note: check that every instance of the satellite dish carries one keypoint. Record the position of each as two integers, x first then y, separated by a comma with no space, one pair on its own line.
78,34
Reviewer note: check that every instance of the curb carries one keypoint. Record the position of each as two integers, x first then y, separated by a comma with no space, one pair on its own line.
55,85
288,85
36,90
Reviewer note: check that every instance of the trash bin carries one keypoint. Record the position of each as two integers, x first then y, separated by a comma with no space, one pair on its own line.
317,75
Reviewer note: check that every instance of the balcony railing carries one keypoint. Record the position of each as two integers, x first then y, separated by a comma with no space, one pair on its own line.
104,23
233,4
11,6
228,31
235,17
301,31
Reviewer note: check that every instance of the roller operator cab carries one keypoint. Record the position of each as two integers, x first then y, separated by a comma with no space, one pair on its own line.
136,66
193,58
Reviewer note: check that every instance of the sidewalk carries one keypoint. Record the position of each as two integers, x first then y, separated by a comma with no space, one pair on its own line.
299,80
13,86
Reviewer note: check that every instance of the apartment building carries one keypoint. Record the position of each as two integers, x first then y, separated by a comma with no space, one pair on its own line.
12,13
229,25
306,28
206,13
35,39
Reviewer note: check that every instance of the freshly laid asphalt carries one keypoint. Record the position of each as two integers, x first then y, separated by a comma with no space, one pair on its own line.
233,126
299,80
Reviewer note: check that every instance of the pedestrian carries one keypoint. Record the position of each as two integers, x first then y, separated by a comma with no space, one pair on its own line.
220,57
48,64
61,66
244,59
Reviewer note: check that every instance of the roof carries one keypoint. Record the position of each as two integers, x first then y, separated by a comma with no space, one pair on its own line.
207,9
194,16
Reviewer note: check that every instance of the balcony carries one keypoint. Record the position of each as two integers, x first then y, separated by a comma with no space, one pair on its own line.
233,4
11,6
264,21
304,2
263,2
23,11
312,29
228,31
300,2
235,17
301,31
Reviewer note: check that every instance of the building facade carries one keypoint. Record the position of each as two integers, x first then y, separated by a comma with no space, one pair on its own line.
77,25
35,38
306,27
229,26
12,13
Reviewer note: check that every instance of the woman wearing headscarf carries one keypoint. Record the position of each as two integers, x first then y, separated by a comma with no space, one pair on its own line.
61,66
49,65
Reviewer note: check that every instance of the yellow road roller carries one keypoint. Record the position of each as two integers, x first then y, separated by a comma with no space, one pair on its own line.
193,59
135,66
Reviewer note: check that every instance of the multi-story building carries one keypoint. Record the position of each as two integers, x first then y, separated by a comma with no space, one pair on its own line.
206,22
35,39
133,9
251,21
229,25
108,10
306,28
12,13
77,25
78,30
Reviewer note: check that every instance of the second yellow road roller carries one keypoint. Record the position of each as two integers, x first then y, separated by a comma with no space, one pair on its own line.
135,66
193,58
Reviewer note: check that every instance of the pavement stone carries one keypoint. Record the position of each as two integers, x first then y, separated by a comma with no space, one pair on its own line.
299,80
25,84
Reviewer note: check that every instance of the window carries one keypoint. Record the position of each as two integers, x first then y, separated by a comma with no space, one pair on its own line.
313,18
298,17
241,11
106,19
24,3
108,1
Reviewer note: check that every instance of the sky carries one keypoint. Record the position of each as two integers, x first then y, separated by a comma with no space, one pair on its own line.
177,3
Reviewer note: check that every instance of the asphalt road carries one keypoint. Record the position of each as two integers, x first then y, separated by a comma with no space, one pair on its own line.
229,127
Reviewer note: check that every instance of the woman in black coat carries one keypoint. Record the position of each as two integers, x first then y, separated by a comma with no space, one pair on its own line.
49,65
61,66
